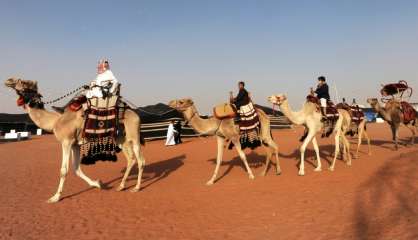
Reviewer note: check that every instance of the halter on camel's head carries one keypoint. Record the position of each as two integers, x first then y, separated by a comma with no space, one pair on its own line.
277,99
27,90
181,104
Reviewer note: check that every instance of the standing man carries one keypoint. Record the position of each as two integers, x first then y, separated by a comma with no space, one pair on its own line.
170,135
177,128
322,92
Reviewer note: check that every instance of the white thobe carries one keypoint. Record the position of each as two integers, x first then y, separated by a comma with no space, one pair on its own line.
170,136
102,80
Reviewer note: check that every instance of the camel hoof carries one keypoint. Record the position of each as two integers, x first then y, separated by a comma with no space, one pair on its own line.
279,172
331,169
318,169
97,184
263,174
209,183
54,199
301,173
135,189
348,163
251,177
120,188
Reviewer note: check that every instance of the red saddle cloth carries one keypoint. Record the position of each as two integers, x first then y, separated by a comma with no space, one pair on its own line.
77,103
409,113
332,110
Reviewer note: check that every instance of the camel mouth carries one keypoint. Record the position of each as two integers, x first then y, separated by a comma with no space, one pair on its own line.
10,83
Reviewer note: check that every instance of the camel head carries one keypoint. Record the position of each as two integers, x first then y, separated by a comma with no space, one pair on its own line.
373,101
27,91
277,99
181,104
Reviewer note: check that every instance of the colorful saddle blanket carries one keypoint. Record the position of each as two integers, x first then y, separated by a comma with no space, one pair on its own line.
100,130
224,111
409,113
249,126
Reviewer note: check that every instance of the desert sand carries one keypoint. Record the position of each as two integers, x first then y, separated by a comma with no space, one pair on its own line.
375,198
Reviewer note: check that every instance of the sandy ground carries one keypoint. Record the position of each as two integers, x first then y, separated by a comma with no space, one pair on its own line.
376,198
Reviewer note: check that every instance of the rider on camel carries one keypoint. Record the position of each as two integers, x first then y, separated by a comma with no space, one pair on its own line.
242,99
105,84
322,93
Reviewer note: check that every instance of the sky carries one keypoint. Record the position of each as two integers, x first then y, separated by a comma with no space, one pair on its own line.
163,50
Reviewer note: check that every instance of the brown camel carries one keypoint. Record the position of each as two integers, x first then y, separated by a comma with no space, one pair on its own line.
66,128
393,115
227,129
310,117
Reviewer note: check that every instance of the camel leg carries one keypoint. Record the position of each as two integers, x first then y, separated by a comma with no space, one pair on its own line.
243,158
318,159
141,164
305,143
220,143
360,138
273,145
346,144
337,150
394,129
127,151
268,157
413,129
273,149
368,141
77,168
66,152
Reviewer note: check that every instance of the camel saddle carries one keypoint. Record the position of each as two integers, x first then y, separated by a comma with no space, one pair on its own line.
394,88
223,111
332,111
356,113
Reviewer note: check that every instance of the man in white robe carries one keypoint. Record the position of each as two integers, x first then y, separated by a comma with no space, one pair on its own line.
170,135
105,81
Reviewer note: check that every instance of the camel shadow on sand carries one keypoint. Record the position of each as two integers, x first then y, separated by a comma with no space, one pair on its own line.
152,174
374,215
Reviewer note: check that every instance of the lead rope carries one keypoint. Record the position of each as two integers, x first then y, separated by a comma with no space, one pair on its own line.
77,90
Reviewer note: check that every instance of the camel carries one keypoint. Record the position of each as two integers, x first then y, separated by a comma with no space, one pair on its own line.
66,128
393,116
310,117
227,129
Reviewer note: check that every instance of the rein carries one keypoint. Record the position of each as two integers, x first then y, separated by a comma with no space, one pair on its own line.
77,90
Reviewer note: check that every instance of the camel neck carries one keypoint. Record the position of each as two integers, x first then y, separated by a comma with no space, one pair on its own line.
42,118
200,125
382,111
294,117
